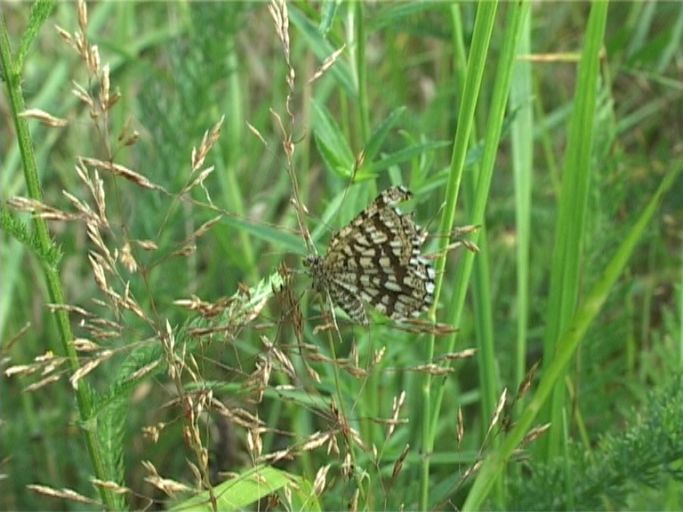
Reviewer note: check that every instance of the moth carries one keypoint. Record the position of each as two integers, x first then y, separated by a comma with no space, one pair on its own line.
376,260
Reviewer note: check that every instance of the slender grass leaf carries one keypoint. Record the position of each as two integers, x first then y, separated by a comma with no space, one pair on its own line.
377,138
331,142
329,13
39,13
276,237
566,347
323,49
404,155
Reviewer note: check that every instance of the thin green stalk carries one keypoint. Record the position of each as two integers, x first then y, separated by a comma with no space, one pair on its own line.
673,45
481,37
361,72
522,166
495,463
481,294
544,137
516,14
680,312
565,279
482,303
370,430
365,490
229,180
83,394
481,286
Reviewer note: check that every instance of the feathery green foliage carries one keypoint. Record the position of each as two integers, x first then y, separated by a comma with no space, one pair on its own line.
14,227
646,452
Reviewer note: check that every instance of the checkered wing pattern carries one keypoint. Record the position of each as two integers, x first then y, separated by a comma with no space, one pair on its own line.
376,259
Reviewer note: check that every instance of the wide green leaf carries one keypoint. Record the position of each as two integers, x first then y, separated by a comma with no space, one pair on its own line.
252,486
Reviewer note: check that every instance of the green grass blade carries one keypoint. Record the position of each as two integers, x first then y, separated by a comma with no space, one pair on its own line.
497,114
39,13
374,144
481,38
323,49
569,228
522,167
331,142
565,349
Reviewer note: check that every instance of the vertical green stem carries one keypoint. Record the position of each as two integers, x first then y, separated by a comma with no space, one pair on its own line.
680,312
568,246
230,185
522,166
478,54
12,76
481,37
566,347
361,74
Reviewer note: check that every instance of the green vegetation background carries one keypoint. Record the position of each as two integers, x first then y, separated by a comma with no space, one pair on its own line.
556,126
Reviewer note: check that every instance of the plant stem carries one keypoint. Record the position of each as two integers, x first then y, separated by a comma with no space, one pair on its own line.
83,392
475,69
